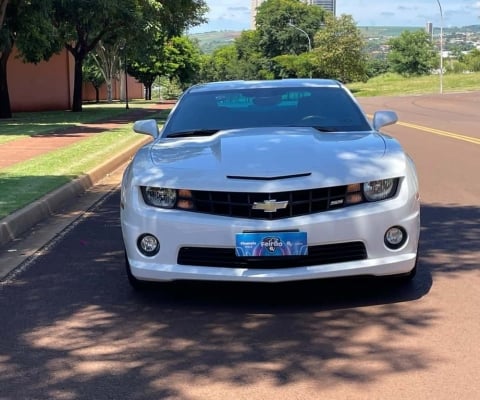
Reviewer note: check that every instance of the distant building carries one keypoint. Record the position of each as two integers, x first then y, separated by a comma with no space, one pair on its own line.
329,5
253,12
429,28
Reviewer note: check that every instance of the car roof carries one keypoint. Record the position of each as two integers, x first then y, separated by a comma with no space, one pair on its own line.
264,84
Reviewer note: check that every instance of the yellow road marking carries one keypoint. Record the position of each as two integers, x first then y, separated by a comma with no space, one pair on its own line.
452,135
441,133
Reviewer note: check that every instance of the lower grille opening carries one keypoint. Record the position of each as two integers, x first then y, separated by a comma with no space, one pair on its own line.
317,255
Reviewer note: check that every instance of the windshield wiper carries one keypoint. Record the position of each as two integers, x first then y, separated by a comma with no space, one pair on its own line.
193,132
317,127
324,129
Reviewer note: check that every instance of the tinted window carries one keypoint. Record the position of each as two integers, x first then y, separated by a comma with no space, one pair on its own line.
329,108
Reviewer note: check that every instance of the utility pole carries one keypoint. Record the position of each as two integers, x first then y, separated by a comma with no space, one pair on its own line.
441,46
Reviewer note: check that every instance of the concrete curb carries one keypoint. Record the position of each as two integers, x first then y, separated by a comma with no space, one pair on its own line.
17,223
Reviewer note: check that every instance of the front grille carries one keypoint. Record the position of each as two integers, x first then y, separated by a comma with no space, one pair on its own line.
300,202
317,255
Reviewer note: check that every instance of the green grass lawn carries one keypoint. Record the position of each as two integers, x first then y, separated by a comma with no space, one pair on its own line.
396,85
36,123
25,182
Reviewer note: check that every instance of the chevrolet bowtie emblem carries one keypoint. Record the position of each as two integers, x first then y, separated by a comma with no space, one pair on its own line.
270,206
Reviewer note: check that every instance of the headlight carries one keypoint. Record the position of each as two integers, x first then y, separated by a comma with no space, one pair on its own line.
380,190
159,197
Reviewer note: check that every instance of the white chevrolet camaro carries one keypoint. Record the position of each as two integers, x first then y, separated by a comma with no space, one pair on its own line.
269,181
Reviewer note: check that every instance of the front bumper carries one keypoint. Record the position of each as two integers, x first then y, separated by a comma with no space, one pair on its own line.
366,223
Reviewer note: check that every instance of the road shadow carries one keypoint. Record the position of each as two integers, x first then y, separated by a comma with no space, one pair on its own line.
450,239
72,325
66,123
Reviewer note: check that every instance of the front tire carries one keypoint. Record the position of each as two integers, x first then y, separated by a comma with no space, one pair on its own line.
135,283
408,277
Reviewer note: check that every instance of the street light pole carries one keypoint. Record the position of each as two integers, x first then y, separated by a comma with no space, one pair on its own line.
126,77
308,38
123,47
441,46
305,33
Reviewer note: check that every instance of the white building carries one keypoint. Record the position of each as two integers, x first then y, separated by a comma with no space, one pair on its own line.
329,5
253,12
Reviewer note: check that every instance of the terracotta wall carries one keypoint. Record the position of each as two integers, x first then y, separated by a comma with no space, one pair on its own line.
135,90
45,86
49,85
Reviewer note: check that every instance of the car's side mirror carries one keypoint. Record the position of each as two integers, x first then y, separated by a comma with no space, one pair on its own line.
384,118
147,127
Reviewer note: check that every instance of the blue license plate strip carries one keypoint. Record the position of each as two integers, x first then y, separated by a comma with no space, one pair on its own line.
268,244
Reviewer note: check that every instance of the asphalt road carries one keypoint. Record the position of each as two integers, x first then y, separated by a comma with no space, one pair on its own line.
71,327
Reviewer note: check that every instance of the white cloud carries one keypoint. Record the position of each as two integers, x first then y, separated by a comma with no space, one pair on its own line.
227,15
409,12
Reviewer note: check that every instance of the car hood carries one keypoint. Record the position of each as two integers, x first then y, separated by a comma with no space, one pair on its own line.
274,156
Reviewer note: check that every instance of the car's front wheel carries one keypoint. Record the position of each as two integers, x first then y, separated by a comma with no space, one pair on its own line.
135,283
408,277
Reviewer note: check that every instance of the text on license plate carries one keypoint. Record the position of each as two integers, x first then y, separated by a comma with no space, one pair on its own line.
266,244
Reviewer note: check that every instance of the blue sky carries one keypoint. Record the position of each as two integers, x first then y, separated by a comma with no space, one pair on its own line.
235,14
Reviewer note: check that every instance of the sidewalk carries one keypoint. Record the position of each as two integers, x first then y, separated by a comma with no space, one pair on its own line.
21,150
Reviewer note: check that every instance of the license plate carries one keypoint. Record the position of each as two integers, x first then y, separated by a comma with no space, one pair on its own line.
268,244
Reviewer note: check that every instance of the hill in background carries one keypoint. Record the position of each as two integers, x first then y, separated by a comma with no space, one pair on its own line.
209,41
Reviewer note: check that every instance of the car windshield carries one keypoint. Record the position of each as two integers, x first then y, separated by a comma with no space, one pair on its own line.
327,109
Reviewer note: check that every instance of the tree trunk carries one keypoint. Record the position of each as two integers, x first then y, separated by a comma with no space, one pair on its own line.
150,90
77,84
122,86
97,94
109,91
5,108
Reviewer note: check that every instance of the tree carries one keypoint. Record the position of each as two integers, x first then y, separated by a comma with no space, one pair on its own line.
147,61
251,63
276,36
472,60
83,24
43,27
222,65
107,58
92,74
7,39
412,53
25,24
241,60
177,58
3,11
182,60
339,50
292,66
376,66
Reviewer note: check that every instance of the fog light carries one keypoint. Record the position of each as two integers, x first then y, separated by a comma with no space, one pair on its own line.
395,237
148,245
